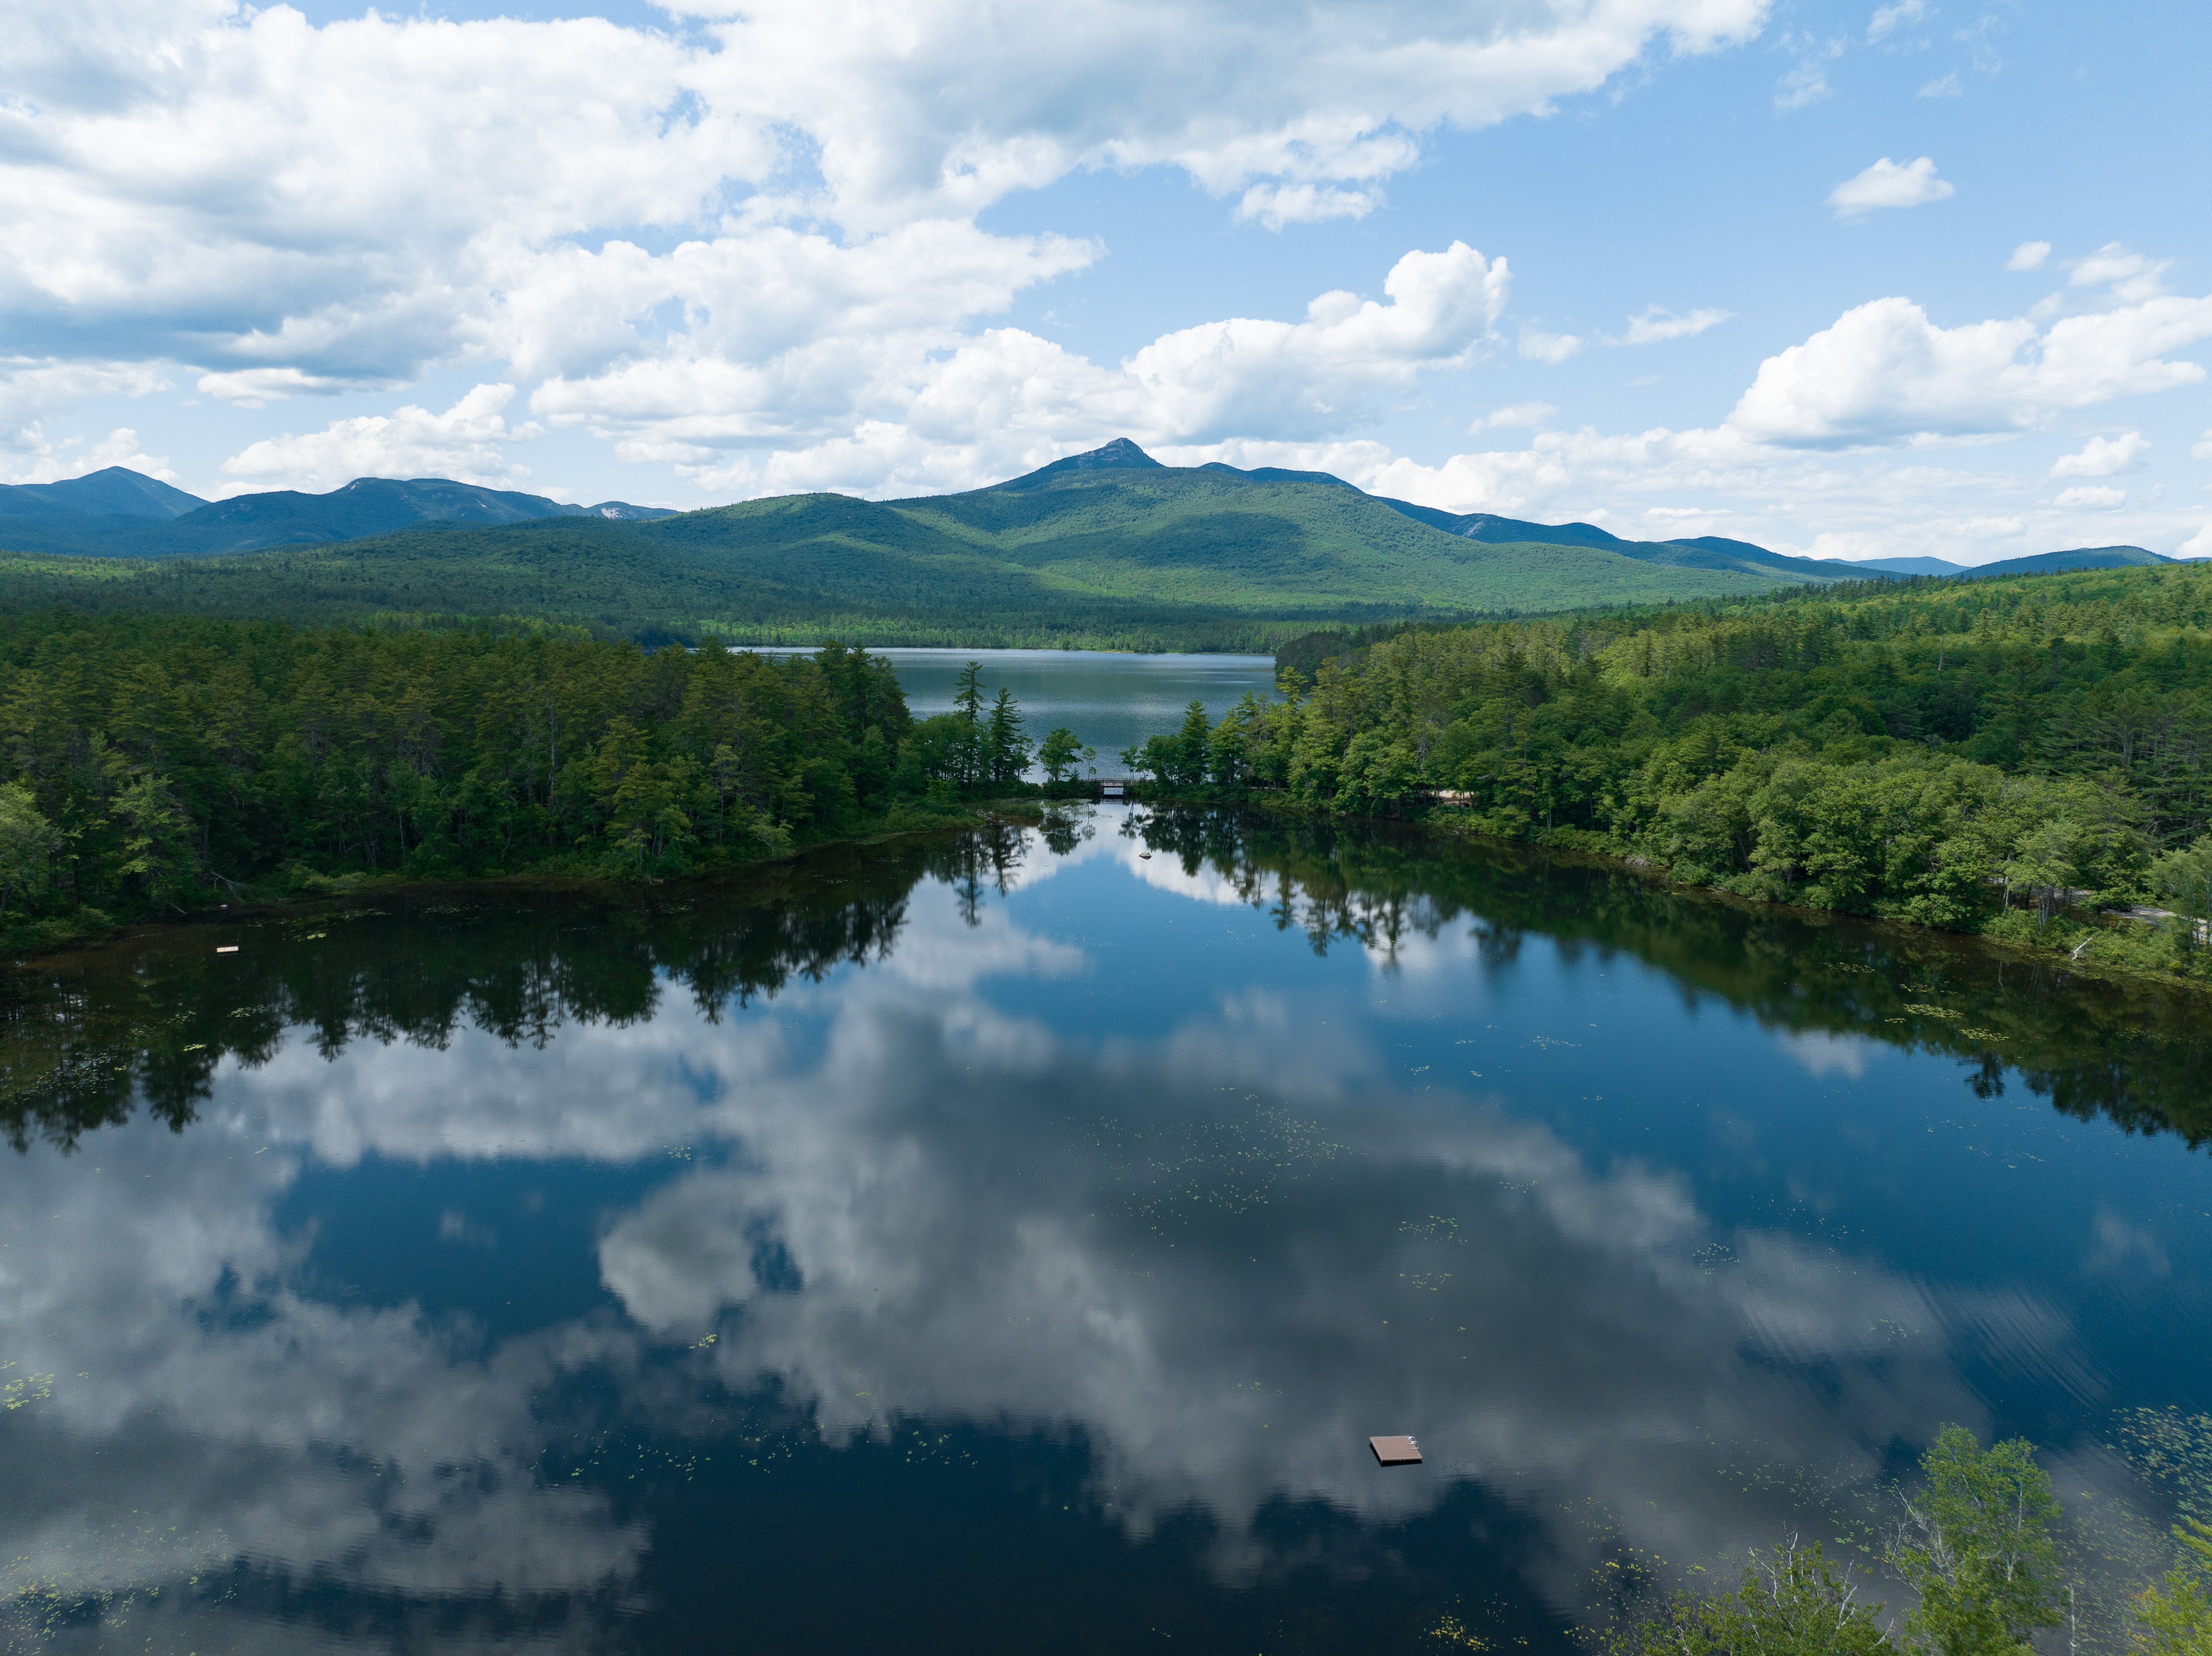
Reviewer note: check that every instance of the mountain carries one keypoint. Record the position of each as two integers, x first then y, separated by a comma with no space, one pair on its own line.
1109,548
1913,566
1705,552
2082,557
123,514
114,492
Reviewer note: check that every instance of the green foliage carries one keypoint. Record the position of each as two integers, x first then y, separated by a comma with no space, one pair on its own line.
1791,1602
1183,760
1062,754
2175,1618
2184,878
148,765
1937,754
27,844
1977,1544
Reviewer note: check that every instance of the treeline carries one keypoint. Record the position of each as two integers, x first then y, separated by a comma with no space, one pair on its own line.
1984,756
153,1015
151,765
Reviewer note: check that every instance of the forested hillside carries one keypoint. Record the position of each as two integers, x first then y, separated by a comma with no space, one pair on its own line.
1106,549
154,765
1986,755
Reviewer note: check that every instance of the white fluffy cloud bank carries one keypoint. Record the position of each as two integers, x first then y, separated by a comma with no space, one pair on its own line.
775,203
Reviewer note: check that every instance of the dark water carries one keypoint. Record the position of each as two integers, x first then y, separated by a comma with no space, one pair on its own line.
1008,1243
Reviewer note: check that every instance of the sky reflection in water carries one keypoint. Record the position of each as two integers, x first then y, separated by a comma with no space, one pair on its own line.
546,1276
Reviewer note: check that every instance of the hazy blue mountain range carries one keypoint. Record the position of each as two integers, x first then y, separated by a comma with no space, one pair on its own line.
122,513
1104,546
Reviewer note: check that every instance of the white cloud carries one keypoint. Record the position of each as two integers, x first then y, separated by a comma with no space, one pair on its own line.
1944,86
2028,256
251,388
470,441
2201,448
70,458
1261,378
1655,325
2090,497
1887,19
1518,414
1886,184
291,209
1806,83
1885,373
2131,276
831,413
1537,346
2198,545
1275,205
2100,456
35,394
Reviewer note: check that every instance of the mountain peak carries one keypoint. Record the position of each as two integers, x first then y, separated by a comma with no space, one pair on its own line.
1119,455
113,491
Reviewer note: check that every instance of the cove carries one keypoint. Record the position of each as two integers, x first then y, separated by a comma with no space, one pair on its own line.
1009,1240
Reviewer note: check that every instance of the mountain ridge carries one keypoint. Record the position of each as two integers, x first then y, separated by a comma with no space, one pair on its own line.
118,513
1110,535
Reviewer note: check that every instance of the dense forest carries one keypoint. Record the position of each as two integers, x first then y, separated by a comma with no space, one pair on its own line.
149,766
2000,756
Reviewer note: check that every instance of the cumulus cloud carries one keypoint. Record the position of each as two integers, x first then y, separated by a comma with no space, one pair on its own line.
1312,377
1655,325
36,393
291,209
2028,256
71,458
1005,400
1886,184
2201,448
1944,86
470,441
2090,497
1885,373
2100,456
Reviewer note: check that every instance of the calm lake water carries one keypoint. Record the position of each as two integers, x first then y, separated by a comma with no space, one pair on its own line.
1111,701
1008,1242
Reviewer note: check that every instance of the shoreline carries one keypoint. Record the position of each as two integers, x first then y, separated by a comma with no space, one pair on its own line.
2087,965
325,892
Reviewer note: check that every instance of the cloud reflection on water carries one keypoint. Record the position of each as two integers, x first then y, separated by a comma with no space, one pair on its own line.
1222,1258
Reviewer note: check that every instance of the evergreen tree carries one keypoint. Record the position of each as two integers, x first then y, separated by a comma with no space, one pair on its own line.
1006,750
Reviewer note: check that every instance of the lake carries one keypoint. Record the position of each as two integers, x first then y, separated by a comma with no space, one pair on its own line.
1009,1240
1110,700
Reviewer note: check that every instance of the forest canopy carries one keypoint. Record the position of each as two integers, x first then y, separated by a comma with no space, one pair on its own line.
1983,756
149,765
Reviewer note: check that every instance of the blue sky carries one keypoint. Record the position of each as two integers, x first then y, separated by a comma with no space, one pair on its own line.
1853,280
